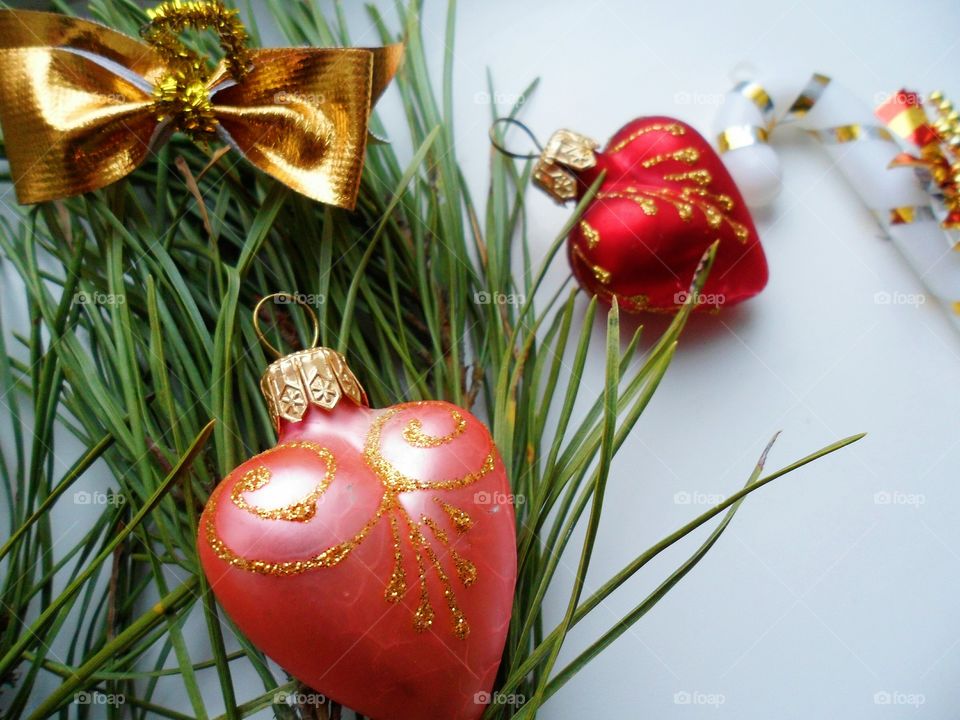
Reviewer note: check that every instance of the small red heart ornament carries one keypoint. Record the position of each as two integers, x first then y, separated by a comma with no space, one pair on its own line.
665,198
371,553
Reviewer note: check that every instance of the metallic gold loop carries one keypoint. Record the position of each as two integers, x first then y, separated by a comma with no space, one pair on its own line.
738,136
851,133
183,96
807,98
294,298
905,215
172,17
756,94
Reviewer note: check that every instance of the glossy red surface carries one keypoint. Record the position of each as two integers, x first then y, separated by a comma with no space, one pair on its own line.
651,257
333,627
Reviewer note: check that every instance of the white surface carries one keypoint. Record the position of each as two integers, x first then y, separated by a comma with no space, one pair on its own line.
819,597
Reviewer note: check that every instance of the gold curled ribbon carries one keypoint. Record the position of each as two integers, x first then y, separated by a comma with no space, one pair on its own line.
902,116
936,140
83,105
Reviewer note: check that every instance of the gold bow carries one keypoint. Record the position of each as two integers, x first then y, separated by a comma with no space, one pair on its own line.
82,105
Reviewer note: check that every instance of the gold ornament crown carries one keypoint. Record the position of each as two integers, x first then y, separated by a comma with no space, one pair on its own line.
316,376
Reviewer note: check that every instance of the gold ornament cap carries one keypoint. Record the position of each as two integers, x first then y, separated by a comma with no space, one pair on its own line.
566,151
316,376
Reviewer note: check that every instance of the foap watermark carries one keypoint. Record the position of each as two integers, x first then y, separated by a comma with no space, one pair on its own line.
298,98
698,697
498,698
299,298
685,97
484,497
898,697
483,297
898,497
498,98
98,298
904,98
899,298
98,497
686,497
299,698
711,299
95,697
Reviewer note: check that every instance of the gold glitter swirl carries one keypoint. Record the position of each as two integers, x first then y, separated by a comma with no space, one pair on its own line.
460,519
688,155
330,557
724,201
398,579
300,511
674,129
466,570
424,614
648,206
590,234
602,275
700,177
394,483
395,480
461,628
414,435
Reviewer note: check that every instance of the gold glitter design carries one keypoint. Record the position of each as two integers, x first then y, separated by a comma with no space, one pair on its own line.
714,206
330,557
300,511
460,519
673,128
466,570
394,483
590,234
687,155
700,177
414,435
636,303
648,206
395,480
722,199
424,614
398,580
602,275
461,627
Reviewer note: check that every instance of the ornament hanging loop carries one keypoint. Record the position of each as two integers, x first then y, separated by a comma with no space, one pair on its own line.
500,147
286,298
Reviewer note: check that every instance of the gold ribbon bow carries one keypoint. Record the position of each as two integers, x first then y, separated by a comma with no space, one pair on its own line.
82,105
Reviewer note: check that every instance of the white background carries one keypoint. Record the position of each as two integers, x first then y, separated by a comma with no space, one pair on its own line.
818,597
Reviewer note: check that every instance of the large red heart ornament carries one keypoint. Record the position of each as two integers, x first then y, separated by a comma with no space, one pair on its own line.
371,553
665,198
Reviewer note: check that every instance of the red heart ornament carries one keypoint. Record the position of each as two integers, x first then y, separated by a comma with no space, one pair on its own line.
371,553
665,198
